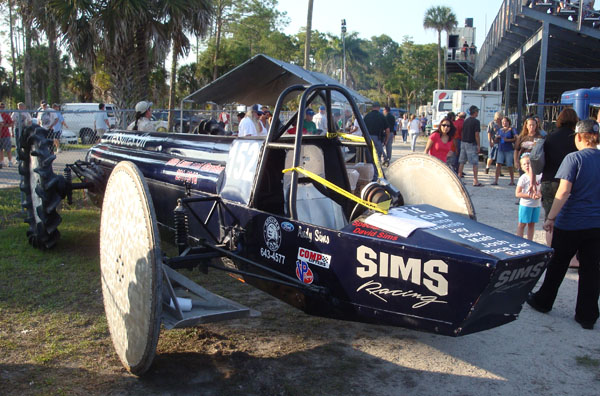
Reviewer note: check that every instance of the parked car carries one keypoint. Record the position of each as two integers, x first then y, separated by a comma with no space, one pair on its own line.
190,122
79,118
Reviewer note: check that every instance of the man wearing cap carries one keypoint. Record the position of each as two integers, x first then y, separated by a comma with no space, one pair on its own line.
249,124
142,120
574,220
46,117
469,146
309,124
378,129
320,119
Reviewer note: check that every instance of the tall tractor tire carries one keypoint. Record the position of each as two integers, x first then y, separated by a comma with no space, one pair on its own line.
42,190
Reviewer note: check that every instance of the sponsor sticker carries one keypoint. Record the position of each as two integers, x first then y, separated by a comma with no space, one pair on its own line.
287,226
272,233
303,272
315,258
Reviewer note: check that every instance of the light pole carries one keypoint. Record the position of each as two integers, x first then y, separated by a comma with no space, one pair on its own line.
344,52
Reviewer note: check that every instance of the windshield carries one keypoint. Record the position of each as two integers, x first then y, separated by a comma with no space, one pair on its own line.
109,111
445,106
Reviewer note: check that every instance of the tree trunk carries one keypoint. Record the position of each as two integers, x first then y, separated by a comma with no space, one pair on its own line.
439,77
142,85
27,62
219,24
308,34
53,72
13,83
172,89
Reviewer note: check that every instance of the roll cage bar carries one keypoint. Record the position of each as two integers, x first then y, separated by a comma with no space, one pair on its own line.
276,131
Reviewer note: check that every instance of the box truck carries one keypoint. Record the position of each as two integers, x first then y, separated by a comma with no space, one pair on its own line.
441,106
488,102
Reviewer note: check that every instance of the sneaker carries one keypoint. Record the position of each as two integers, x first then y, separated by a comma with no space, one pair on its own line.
1,164
487,171
584,324
10,164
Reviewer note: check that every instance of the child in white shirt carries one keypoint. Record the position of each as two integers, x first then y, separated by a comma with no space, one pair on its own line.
531,198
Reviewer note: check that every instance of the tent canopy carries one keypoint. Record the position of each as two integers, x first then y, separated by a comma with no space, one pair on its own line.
261,79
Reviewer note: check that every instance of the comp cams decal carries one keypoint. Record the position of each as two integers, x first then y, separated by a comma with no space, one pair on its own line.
315,258
428,274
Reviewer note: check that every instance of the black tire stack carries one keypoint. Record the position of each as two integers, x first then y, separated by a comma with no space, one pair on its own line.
42,189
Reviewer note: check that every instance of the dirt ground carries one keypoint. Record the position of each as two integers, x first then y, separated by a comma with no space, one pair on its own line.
285,352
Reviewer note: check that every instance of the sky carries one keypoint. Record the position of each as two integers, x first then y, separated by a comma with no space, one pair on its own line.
396,18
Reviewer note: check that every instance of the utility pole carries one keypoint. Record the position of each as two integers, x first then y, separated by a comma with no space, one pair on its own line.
308,32
344,52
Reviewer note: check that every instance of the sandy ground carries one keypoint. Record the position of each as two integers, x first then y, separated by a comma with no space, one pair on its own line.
538,354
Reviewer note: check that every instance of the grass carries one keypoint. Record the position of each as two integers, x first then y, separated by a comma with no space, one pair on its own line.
587,361
50,301
75,146
10,207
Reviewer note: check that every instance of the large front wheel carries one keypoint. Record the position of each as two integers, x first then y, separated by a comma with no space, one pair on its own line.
131,267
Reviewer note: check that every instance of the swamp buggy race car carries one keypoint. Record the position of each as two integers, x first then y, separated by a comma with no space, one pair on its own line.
299,217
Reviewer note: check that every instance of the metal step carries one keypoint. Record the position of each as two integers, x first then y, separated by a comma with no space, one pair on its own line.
207,307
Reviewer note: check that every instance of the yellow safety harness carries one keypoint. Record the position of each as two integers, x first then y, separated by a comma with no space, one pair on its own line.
359,139
381,207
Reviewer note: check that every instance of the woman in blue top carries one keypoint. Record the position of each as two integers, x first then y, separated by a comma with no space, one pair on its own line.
504,156
575,220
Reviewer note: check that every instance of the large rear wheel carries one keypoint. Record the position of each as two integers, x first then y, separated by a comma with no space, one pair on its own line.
424,179
42,188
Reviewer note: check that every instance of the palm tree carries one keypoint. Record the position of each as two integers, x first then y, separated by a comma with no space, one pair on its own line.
440,18
123,31
191,16
44,20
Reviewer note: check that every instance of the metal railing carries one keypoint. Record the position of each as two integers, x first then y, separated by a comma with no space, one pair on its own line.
510,9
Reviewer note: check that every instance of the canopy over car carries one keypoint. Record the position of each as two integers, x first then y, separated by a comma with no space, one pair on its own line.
261,79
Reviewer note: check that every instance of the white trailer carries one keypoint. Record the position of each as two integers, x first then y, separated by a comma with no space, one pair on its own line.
488,102
441,105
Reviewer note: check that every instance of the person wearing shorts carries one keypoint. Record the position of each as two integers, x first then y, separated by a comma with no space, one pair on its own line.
470,144
530,202
505,137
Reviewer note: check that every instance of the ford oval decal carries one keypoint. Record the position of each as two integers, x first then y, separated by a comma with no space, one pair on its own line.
287,226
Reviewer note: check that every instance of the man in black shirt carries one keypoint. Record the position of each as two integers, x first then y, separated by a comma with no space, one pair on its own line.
557,145
391,120
378,129
469,145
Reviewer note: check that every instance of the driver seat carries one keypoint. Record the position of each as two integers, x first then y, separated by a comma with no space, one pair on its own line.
312,206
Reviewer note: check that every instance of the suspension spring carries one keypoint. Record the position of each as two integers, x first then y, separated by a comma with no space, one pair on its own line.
69,182
180,218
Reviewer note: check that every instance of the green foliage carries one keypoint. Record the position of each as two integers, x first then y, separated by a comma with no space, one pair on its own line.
80,85
113,64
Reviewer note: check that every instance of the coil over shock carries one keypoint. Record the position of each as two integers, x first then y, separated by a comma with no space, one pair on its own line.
180,218
67,174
